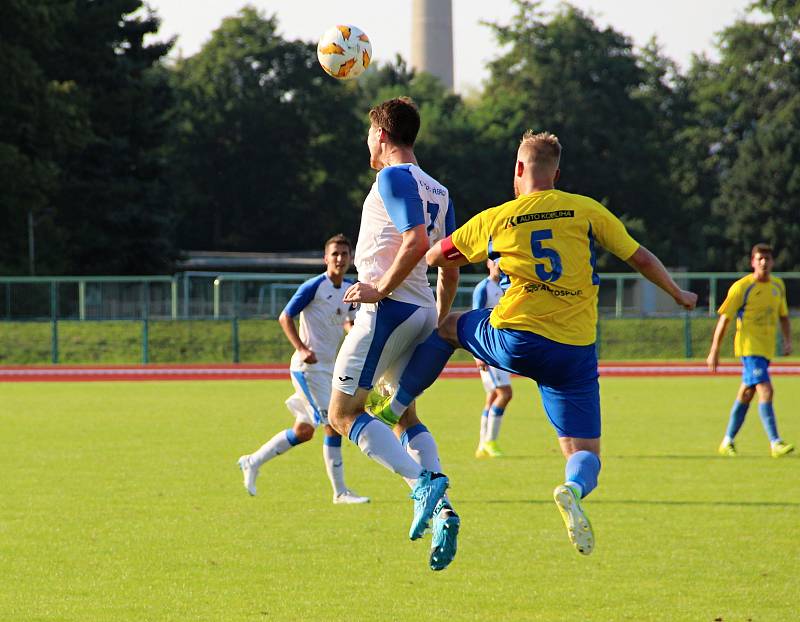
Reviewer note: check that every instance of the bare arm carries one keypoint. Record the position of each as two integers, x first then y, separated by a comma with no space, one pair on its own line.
412,249
786,329
650,266
290,330
712,360
446,285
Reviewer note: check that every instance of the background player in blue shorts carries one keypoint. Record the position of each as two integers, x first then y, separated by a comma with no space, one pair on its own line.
544,327
758,303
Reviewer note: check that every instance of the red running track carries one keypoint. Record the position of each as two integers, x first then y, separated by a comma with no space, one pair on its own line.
93,373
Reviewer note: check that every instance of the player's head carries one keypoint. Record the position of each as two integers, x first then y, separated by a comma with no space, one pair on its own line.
338,252
494,269
538,158
761,260
393,124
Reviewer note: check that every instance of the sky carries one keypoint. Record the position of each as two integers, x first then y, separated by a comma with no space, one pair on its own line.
682,27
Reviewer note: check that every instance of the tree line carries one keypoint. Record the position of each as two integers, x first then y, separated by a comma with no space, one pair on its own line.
113,156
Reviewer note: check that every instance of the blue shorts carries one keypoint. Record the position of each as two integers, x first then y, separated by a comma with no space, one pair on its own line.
566,374
755,370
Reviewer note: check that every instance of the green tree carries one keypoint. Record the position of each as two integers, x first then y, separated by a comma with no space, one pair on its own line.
756,94
269,149
115,207
564,74
41,122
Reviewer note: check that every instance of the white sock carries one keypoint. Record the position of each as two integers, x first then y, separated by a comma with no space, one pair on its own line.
277,445
484,420
727,440
335,468
422,448
398,408
376,441
493,427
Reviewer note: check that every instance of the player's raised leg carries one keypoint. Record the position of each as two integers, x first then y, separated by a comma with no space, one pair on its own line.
421,446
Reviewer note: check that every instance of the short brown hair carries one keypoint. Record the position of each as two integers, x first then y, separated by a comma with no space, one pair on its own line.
761,247
542,151
339,238
399,117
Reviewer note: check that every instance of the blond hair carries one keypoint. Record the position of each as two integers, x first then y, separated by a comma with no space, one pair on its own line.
540,152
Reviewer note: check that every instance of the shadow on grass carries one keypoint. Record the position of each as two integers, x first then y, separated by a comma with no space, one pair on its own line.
761,504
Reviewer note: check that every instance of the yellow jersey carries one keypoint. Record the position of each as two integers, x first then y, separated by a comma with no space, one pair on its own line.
756,307
545,242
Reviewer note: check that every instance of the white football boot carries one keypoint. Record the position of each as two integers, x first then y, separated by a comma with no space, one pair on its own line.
350,497
249,474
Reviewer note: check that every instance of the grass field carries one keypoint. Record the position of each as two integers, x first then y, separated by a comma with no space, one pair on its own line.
122,501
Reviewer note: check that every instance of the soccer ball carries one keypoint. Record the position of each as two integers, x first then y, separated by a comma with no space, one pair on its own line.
344,52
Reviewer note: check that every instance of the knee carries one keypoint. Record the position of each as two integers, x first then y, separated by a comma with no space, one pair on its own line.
504,395
448,330
304,432
746,394
765,393
337,422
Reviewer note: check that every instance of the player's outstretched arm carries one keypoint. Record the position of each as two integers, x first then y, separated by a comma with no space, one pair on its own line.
446,288
445,255
413,247
712,360
650,266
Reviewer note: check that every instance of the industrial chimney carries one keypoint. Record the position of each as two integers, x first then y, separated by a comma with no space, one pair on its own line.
432,38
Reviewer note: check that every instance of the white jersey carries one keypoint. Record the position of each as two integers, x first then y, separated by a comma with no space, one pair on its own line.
322,317
402,197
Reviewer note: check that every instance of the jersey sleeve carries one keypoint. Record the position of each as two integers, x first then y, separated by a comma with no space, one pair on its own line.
611,233
303,296
473,237
733,301
450,219
400,194
784,308
479,296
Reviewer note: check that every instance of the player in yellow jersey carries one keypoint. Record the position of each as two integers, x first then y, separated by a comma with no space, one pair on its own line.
545,325
758,303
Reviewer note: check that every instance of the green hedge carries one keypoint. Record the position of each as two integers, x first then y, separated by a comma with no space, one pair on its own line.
262,341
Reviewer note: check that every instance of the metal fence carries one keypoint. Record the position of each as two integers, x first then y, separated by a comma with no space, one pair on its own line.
205,295
215,317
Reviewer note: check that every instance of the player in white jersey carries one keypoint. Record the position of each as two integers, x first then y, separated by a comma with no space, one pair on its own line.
323,314
405,211
496,382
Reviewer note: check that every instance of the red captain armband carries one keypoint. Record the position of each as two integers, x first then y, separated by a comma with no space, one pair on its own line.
449,249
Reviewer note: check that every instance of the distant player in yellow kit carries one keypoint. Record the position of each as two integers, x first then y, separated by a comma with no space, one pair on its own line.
758,303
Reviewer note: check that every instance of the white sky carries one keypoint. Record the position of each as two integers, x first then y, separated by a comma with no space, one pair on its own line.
682,27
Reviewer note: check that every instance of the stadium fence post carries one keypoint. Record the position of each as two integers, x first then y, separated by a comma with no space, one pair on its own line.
145,298
54,322
687,334
235,322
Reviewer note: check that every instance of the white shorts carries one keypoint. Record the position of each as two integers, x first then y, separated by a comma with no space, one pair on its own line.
309,404
493,378
380,344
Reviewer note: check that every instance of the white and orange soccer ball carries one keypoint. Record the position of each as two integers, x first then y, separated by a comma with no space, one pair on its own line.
344,52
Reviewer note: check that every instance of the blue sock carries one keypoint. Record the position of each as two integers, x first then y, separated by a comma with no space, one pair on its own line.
496,411
738,412
292,437
767,415
427,362
583,467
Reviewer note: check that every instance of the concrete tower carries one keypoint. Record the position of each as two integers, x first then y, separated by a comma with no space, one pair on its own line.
432,38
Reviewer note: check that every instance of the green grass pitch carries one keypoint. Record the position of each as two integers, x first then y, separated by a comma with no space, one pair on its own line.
122,501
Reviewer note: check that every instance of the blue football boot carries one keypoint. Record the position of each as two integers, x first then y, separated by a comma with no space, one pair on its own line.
430,488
